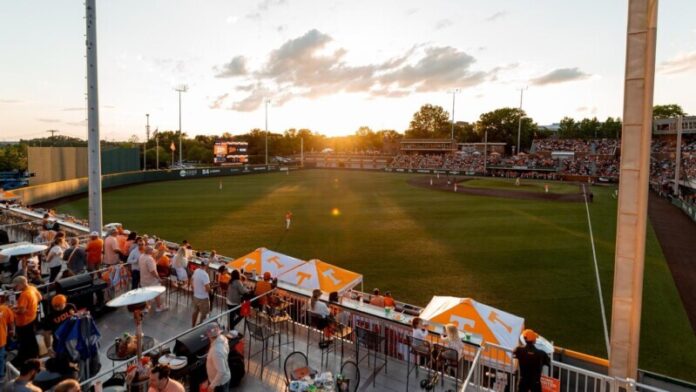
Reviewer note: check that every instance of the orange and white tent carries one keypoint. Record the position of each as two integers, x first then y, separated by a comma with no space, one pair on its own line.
495,326
7,196
316,274
263,260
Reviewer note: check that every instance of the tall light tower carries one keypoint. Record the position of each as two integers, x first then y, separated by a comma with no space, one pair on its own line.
519,122
181,89
93,147
454,96
632,209
266,102
147,137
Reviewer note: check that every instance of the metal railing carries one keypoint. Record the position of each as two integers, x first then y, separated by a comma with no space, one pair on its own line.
102,375
473,378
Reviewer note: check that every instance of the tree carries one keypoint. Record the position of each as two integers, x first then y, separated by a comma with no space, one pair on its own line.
567,128
501,125
668,111
430,121
589,128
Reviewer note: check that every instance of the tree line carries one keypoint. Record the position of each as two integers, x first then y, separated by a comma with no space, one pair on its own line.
430,121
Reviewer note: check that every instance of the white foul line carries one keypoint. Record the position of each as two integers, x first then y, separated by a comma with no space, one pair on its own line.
599,285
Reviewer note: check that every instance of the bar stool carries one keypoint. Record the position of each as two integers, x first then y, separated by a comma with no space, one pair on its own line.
420,349
319,322
373,342
263,335
279,320
447,359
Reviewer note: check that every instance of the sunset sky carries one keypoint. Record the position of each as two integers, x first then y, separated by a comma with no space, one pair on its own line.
330,66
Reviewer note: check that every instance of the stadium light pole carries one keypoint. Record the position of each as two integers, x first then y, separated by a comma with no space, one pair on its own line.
266,102
181,89
93,147
147,137
519,122
454,95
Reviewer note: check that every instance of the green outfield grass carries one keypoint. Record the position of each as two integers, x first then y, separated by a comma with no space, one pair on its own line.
525,185
531,258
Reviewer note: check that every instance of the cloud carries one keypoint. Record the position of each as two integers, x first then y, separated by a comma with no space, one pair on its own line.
263,7
77,123
560,75
496,16
411,11
587,109
217,104
9,101
48,120
232,19
281,28
312,65
683,62
443,23
440,68
236,67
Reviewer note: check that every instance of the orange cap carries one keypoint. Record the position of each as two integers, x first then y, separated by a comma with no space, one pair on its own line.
266,275
529,335
58,300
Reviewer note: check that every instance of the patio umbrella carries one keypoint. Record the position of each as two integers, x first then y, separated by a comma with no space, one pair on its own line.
23,250
136,297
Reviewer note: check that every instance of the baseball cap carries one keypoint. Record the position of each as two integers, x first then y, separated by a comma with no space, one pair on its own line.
529,335
212,330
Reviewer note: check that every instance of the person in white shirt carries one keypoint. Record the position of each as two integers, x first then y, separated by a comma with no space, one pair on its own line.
317,306
55,258
201,288
216,363
180,263
132,260
419,331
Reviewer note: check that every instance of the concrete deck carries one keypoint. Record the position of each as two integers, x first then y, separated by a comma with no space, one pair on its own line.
165,325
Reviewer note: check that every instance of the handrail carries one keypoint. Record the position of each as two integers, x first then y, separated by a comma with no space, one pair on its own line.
474,365
168,341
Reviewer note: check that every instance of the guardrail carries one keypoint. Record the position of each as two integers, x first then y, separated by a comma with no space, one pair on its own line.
159,346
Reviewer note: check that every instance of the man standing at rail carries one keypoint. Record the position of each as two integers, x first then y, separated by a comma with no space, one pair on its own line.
531,361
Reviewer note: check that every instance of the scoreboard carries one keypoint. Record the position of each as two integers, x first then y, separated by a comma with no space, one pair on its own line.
230,153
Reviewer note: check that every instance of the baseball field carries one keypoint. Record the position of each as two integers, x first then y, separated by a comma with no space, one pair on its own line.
528,257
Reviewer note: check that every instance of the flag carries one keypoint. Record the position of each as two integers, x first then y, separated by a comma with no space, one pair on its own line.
172,147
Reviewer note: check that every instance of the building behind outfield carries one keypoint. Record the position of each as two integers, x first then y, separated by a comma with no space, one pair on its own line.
52,164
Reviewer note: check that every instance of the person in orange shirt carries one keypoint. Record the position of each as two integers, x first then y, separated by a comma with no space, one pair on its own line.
163,263
263,287
224,277
7,321
94,249
389,300
288,220
377,299
25,319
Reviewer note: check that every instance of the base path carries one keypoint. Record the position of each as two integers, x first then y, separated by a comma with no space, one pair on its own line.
676,233
441,185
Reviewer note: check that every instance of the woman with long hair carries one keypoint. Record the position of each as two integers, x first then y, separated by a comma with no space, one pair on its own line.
235,294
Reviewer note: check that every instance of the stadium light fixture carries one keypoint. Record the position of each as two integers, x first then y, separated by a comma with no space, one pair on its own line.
180,89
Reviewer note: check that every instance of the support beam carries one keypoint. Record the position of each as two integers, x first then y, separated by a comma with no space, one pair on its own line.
93,146
633,188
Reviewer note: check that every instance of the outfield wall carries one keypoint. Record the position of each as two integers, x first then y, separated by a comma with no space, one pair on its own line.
47,192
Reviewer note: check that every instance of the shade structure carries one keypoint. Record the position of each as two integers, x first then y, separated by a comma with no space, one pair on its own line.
6,196
136,296
25,249
264,260
494,325
316,274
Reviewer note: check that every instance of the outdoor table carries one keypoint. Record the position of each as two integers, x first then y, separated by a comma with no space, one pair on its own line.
305,377
112,354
